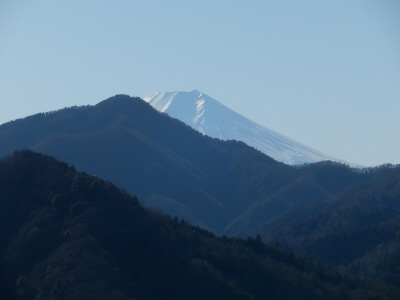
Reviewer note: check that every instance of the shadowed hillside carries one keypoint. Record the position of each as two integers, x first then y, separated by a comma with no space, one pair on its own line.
69,235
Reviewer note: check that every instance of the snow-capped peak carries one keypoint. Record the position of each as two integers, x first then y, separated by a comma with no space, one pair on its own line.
212,118
162,100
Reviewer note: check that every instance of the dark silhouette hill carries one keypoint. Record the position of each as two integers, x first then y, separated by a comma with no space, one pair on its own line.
69,235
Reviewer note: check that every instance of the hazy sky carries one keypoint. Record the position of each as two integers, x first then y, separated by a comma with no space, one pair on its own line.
325,73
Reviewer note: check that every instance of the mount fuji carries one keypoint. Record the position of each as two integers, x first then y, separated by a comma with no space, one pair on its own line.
212,118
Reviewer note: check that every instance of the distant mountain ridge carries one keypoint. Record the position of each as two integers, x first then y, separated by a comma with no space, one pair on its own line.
166,163
212,118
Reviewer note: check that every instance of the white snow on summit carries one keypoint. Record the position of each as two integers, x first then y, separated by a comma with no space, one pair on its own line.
211,118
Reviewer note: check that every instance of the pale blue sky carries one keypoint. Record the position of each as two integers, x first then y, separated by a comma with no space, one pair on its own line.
325,73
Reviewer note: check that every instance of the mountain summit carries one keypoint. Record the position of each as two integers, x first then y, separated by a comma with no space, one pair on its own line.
211,118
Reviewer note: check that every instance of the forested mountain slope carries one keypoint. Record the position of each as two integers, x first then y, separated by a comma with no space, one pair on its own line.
69,235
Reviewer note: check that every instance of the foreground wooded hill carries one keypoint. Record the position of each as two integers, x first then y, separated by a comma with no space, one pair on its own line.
69,235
